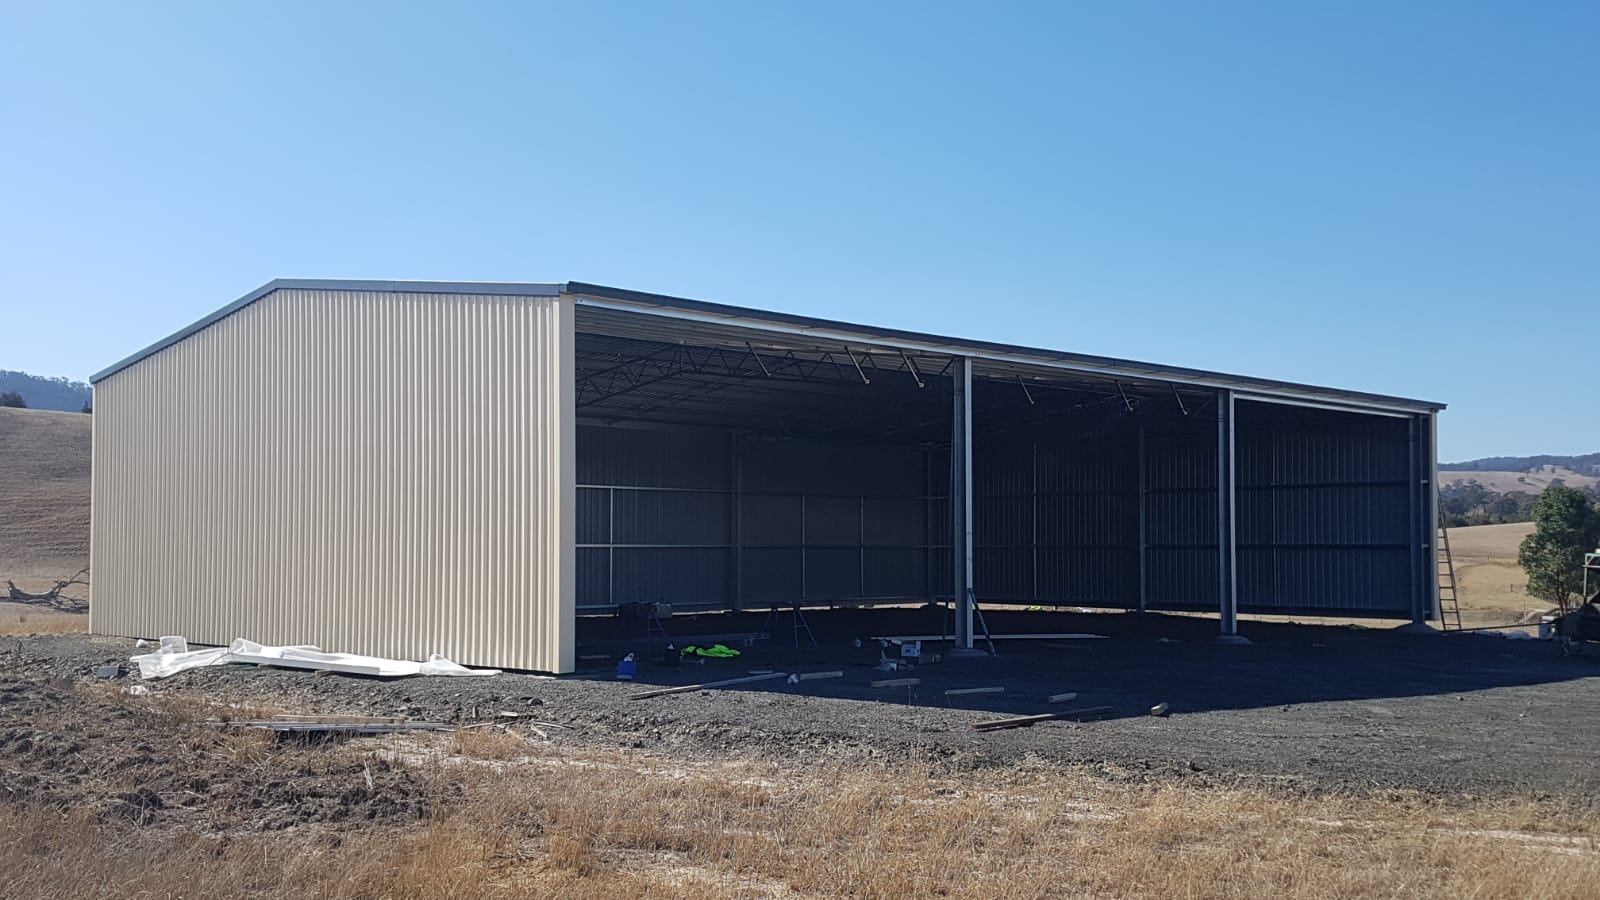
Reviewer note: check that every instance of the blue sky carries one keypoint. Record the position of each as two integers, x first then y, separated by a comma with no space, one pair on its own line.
1403,198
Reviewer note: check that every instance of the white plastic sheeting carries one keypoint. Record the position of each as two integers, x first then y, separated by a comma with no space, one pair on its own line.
175,656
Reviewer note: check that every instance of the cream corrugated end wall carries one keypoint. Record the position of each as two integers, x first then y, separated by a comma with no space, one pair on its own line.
379,473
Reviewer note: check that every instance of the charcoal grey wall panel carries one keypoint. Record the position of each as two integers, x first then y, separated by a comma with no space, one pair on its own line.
896,572
671,517
844,470
1003,573
1002,521
1362,581
769,519
1183,578
684,577
1090,576
1092,466
1184,460
1325,512
939,571
770,574
652,457
1089,520
594,516
1004,470
1182,518
833,520
1338,515
833,573
894,523
594,576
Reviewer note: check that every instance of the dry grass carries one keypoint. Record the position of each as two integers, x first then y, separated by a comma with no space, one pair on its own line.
44,495
1492,587
488,743
552,822
17,620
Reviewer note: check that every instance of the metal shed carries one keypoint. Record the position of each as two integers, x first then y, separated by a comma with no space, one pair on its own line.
404,468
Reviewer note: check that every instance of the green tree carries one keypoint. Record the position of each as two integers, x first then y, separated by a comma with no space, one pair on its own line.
13,398
1566,526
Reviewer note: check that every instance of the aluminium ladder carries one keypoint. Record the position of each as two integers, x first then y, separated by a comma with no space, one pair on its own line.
1449,603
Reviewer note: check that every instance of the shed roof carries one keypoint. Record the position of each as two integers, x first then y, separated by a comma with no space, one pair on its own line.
734,323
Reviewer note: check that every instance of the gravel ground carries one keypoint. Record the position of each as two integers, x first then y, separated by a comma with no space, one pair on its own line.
1304,708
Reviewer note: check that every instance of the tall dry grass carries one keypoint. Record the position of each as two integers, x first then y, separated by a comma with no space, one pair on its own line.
20,620
538,820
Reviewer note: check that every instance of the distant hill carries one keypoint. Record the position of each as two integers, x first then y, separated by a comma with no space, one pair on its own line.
1586,464
45,393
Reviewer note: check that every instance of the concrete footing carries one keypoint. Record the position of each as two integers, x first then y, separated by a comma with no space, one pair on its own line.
965,653
1417,628
1236,640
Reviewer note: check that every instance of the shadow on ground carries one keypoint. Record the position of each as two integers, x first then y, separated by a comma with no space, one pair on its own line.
1144,660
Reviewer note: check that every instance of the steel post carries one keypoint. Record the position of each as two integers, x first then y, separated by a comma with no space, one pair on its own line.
1227,557
961,499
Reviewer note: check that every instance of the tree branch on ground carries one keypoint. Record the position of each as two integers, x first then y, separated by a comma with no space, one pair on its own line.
54,597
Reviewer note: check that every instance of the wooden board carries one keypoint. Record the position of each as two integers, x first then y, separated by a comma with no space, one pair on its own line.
983,690
1026,721
896,682
710,684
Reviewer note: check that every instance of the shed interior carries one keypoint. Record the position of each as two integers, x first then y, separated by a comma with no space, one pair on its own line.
724,467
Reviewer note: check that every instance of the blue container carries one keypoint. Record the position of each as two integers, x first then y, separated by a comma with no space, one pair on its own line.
628,668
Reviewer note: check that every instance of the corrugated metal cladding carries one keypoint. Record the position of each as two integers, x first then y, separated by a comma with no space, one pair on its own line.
1056,520
1323,517
657,510
1181,516
378,473
1324,512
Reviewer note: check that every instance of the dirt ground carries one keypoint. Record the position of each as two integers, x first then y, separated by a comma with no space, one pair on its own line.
1324,709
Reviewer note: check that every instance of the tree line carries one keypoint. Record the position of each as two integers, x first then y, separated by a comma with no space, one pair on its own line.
1471,503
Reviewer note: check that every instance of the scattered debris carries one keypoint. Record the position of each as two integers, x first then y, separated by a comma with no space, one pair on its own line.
109,671
1028,721
688,688
332,725
1070,636
174,657
896,682
983,690
1062,698
1160,709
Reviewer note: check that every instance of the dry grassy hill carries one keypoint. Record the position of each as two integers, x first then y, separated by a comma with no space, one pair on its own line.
1532,481
44,495
1492,587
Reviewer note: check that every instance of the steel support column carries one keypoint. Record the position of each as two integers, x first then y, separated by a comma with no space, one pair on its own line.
961,499
1415,504
735,500
1227,554
1144,541
1430,496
